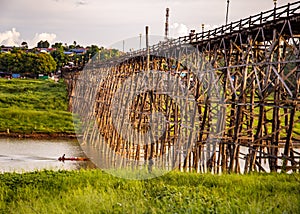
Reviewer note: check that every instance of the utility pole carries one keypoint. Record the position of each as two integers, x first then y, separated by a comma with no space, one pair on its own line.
140,41
167,24
275,5
147,47
227,12
123,46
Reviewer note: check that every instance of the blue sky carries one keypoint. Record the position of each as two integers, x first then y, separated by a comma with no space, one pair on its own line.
104,22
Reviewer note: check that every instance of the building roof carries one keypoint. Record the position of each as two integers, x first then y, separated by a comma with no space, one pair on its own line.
78,50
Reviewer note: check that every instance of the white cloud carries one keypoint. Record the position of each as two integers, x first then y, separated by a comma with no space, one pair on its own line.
77,2
50,37
10,37
178,30
13,38
81,2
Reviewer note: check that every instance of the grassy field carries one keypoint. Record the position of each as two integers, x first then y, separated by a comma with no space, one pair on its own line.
97,192
34,106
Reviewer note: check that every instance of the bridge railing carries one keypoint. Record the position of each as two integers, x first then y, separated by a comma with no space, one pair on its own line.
258,19
291,9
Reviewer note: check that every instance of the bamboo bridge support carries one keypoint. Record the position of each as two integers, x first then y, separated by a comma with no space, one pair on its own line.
244,80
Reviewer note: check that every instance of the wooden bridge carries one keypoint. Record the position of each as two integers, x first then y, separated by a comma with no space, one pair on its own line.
224,100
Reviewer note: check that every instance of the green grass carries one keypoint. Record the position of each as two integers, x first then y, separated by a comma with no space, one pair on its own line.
97,192
34,106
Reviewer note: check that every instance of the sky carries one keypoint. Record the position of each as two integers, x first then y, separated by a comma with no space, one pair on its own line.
107,22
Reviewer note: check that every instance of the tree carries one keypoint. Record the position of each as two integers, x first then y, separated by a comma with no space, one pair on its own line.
43,44
91,52
108,53
74,46
60,58
57,45
12,62
60,46
6,62
24,45
21,62
44,64
28,63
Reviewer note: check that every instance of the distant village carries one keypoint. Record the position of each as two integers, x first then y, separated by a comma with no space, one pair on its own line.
9,49
45,61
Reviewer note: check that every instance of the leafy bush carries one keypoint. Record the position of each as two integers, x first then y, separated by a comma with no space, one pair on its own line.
22,62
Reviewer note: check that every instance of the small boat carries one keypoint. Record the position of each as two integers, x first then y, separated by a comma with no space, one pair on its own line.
63,158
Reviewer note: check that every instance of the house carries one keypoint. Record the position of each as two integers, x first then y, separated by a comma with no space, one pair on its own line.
78,51
45,50
69,53
6,49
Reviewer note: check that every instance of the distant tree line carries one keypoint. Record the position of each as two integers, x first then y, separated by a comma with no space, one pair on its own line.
61,59
22,62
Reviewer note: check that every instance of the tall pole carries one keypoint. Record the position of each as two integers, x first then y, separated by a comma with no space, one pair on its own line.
227,12
167,24
275,4
140,41
148,50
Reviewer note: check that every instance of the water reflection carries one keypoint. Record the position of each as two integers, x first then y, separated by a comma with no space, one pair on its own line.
23,155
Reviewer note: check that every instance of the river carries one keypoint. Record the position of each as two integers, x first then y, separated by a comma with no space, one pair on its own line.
25,155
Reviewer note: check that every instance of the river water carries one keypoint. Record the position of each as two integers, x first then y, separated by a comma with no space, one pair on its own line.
25,155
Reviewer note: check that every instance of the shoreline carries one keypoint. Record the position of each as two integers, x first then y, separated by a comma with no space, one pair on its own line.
39,136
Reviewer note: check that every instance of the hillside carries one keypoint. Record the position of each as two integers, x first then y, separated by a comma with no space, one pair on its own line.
34,107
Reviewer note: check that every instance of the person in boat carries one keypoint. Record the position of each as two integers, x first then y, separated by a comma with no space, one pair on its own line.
63,158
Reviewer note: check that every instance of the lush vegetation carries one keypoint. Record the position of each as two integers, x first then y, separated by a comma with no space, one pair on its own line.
91,51
34,106
97,192
32,61
22,62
